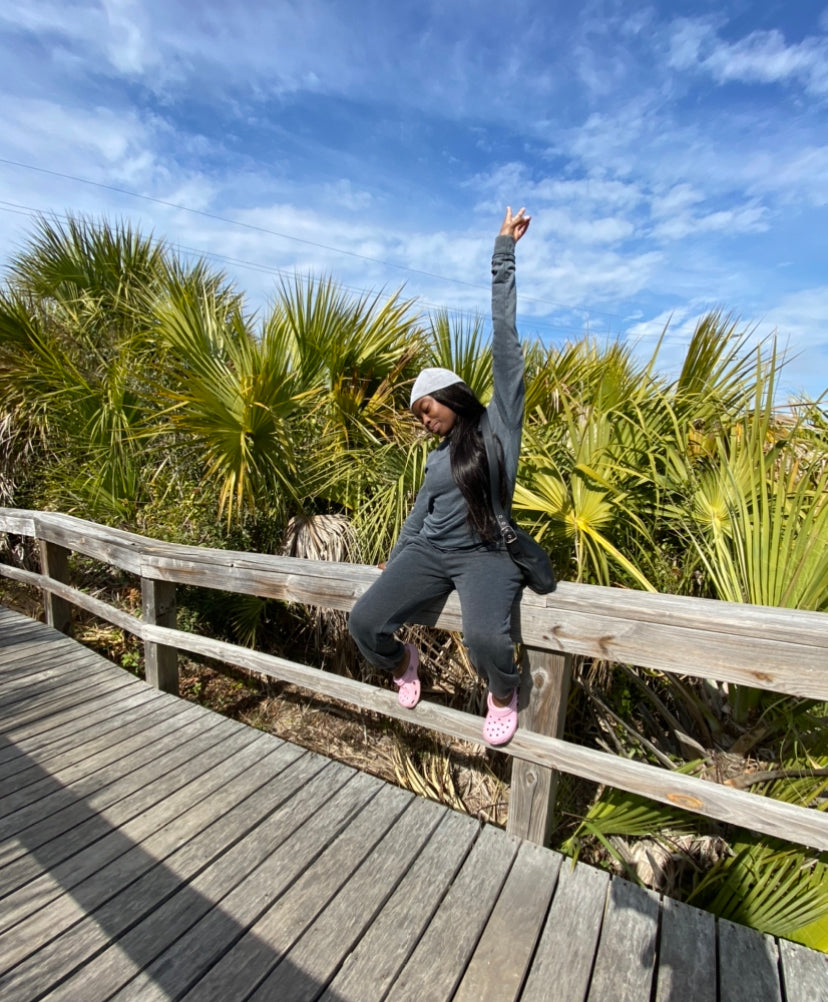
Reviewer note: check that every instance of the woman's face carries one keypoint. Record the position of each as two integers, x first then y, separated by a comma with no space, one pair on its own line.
436,417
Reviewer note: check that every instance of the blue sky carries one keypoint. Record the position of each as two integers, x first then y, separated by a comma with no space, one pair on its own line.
674,155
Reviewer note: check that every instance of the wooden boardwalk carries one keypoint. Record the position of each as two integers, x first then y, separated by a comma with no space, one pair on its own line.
152,849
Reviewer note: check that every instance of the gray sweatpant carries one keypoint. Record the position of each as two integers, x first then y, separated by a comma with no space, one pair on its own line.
487,583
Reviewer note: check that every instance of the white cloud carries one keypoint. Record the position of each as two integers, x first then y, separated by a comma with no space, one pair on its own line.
760,57
751,218
800,323
51,132
127,44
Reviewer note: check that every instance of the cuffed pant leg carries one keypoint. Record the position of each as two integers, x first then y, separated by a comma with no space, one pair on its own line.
412,580
488,583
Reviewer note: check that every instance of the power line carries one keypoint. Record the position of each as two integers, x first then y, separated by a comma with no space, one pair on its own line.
527,322
288,236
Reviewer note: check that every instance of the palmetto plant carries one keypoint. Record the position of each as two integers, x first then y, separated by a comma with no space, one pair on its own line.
73,357
139,391
230,395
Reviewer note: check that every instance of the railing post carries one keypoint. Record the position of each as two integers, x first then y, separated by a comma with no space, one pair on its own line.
544,693
158,608
54,563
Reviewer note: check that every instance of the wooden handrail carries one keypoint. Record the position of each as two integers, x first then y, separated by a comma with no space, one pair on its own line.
776,649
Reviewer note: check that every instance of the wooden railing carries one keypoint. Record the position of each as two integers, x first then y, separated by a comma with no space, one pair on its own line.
780,650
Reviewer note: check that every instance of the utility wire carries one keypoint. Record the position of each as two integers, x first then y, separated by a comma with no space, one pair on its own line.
527,323
289,236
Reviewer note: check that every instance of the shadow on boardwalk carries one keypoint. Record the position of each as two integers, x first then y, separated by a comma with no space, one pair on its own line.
125,925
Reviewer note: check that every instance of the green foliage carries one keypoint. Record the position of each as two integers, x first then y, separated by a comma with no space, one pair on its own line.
138,392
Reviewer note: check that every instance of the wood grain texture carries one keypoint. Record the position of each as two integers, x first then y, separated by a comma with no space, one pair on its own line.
159,608
502,957
544,692
782,650
804,973
372,966
436,966
748,965
344,868
235,864
707,798
255,890
338,927
573,926
686,970
625,960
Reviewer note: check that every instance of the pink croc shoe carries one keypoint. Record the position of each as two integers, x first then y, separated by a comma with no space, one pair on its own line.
409,682
501,721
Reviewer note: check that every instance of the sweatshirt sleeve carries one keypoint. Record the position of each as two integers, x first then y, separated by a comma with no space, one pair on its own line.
507,354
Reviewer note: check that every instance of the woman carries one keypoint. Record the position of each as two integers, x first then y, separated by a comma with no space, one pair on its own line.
451,539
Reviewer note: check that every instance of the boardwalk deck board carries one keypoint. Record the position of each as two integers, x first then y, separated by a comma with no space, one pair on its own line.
625,961
502,956
320,950
373,964
126,734
433,970
572,928
212,911
686,970
104,715
748,965
154,850
805,973
122,856
133,738
344,863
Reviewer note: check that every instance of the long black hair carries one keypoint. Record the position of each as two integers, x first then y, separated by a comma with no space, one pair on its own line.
469,464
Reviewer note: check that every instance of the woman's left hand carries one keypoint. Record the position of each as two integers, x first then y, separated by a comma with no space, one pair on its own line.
515,226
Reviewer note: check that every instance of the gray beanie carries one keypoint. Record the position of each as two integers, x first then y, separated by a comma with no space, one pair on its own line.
430,380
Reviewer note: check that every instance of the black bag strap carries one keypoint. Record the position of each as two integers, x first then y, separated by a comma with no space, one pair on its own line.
506,529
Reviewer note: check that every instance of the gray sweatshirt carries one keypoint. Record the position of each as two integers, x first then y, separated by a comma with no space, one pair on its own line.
440,511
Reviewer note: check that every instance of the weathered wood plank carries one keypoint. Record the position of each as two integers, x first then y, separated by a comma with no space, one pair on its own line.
17,521
748,965
532,788
625,959
439,960
88,603
20,664
111,894
133,736
804,973
194,809
312,961
144,874
686,969
370,969
111,546
810,827
69,697
261,962
784,650
699,651
276,851
571,931
61,674
734,656
61,810
29,765
40,740
159,608
54,564
502,957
